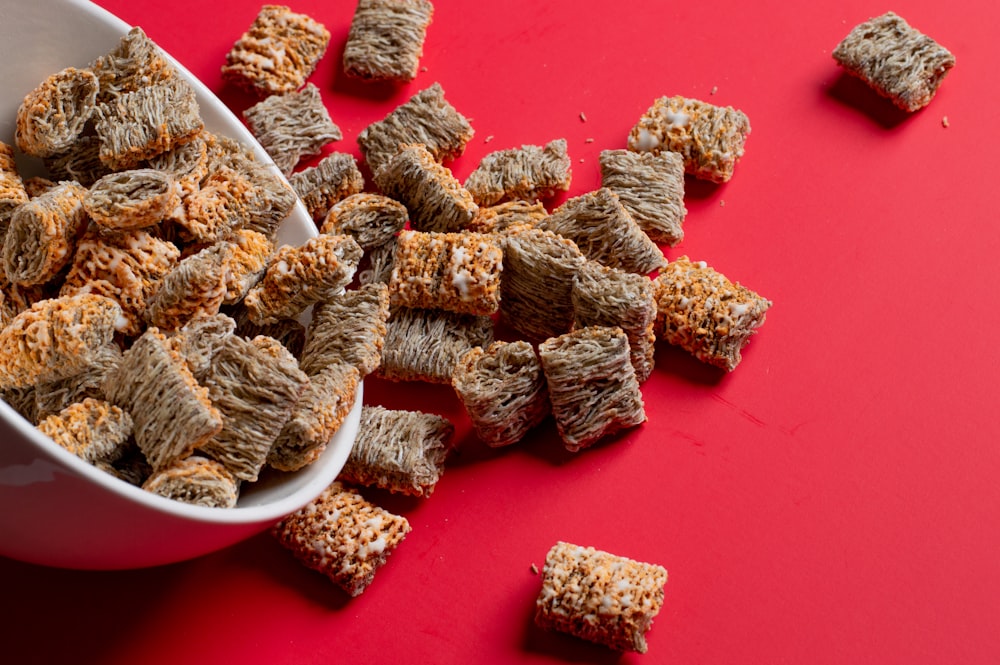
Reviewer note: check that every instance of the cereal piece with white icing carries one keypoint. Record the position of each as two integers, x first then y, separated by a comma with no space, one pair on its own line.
93,430
12,192
503,216
528,173
386,39
651,187
247,264
53,115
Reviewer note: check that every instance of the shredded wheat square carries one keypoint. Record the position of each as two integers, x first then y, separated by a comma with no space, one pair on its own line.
651,187
528,173
292,125
386,39
425,344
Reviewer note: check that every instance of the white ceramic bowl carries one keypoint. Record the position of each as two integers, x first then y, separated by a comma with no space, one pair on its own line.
55,509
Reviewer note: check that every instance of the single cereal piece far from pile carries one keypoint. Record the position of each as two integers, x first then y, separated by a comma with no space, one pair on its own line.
651,187
335,178
372,219
342,536
277,53
53,115
897,61
386,39
701,311
710,138
349,328
425,344
196,480
599,596
43,233
93,430
528,173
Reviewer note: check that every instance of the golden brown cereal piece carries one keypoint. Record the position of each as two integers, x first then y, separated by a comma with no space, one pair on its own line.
172,413
425,344
53,396
592,385
43,233
651,187
349,328
605,232
427,119
528,173
502,216
12,192
219,206
195,286
196,480
255,386
292,125
710,138
701,311
372,219
378,268
336,177
81,162
56,338
599,597
456,272
187,164
386,39
251,253
503,390
133,199
200,340
277,53
54,114
136,62
342,536
399,451
301,276
93,430
317,415
897,61
608,297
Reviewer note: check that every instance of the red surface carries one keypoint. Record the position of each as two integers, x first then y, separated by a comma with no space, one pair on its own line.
834,500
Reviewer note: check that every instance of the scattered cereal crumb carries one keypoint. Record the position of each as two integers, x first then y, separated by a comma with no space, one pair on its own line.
722,203
488,139
714,90
581,160
583,117
944,121
534,569
588,140
423,69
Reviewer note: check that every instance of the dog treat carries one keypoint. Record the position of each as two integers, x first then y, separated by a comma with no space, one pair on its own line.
709,138
608,297
317,415
200,340
292,125
425,344
173,415
349,328
372,219
56,338
529,173
255,386
53,396
456,272
503,391
335,178
136,62
289,331
54,114
277,53
251,254
196,480
605,232
342,536
12,192
537,282
897,61
386,39
133,199
502,216
43,233
426,119
82,162
651,187
701,311
399,451
379,264
599,597
195,286
93,430
433,196
301,276
592,385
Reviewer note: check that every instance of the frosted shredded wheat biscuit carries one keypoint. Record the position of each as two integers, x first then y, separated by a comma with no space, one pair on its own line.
196,480
349,328
51,397
53,115
502,216
93,430
291,126
386,39
43,233
132,199
372,219
247,264
136,62
530,173
336,177
425,344
195,286
200,340
651,187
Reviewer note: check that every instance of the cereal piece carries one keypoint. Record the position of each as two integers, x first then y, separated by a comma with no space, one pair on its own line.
22,400
537,283
608,297
599,597
433,196
200,340
53,396
56,338
81,162
528,173
42,234
173,414
500,217
187,163
895,60
605,232
709,138
386,39
217,208
399,451
255,386
251,254
372,219
12,192
425,344
592,385
195,286
93,430
336,177
17,298
317,415
277,53
701,311
380,262
291,126
136,62
349,328
456,272
290,332
651,187
132,199
301,276
426,118
503,391
196,480
342,536
54,114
